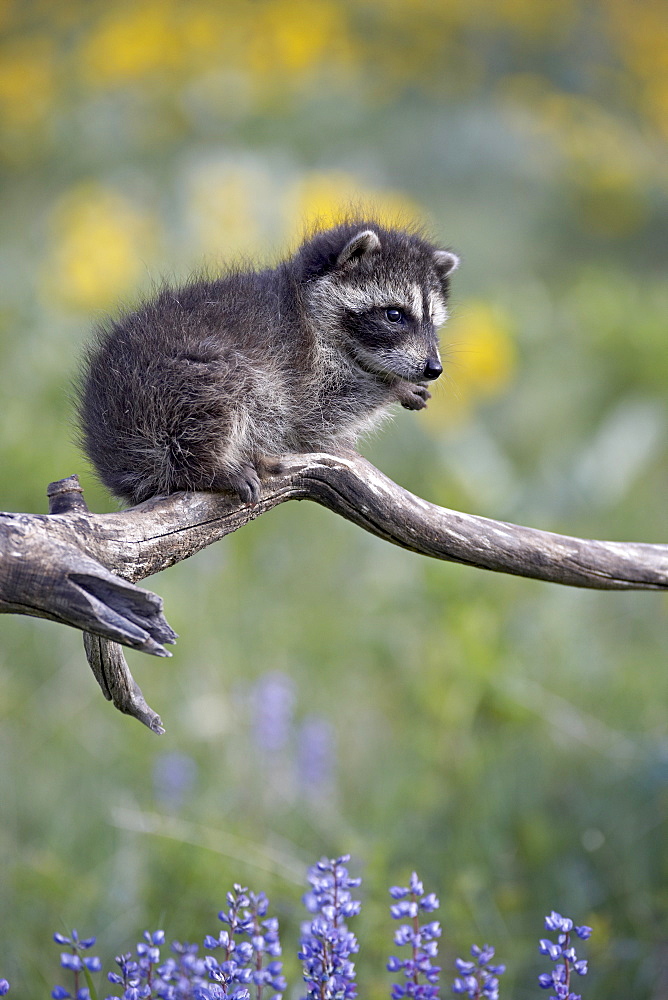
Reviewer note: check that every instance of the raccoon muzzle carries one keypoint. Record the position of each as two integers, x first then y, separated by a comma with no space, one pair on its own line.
432,369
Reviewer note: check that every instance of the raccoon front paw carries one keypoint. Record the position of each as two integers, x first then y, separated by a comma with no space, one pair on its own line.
243,481
413,396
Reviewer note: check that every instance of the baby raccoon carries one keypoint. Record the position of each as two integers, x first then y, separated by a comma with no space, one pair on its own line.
202,387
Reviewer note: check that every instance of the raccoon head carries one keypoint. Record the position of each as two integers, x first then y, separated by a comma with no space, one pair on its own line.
380,294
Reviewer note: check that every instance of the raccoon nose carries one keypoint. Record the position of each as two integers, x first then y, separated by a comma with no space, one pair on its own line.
432,369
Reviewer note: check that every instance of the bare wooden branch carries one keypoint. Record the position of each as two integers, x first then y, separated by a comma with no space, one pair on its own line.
154,535
50,576
112,673
151,537
47,575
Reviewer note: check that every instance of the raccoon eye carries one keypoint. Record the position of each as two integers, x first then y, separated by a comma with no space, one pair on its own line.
393,314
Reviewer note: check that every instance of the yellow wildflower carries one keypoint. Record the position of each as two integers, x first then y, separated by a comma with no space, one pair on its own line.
479,360
100,240
325,198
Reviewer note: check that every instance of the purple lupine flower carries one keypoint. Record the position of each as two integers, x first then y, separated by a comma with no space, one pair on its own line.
4,987
148,957
555,922
75,961
215,992
179,977
563,954
479,978
273,701
129,978
248,937
265,942
326,942
420,976
145,975
74,941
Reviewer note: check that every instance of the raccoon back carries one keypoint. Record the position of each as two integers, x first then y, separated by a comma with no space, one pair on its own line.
172,387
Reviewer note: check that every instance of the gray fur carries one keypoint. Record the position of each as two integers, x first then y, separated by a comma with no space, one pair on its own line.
203,386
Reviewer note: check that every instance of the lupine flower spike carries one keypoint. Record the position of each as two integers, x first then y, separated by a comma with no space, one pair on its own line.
242,964
326,942
563,954
79,964
129,978
420,976
266,942
478,978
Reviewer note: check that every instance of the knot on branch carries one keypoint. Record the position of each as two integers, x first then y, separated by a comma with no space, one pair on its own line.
66,495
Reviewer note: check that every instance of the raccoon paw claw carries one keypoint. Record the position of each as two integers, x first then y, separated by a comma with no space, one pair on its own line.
248,485
245,482
413,396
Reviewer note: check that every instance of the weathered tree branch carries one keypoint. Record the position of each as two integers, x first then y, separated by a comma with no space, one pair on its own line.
66,552
50,576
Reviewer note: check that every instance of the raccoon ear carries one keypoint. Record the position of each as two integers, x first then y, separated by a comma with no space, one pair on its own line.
446,262
362,243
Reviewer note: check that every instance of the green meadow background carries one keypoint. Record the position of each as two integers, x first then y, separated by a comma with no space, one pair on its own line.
329,693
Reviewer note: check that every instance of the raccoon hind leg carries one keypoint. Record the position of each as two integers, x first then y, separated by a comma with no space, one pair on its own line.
203,429
218,440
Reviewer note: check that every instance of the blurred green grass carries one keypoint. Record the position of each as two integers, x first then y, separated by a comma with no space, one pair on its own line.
506,738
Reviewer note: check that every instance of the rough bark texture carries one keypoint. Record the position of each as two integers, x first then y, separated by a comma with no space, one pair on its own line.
79,568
